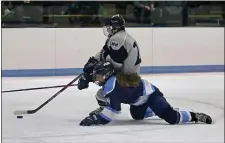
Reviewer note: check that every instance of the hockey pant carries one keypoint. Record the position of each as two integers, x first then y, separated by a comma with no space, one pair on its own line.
102,101
159,105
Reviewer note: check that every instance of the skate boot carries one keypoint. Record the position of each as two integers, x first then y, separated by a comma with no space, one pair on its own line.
97,111
201,117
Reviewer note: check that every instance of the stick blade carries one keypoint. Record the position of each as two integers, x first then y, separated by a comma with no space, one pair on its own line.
20,112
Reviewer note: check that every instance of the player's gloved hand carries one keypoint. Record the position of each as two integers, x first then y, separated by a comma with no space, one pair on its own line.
82,83
88,67
90,121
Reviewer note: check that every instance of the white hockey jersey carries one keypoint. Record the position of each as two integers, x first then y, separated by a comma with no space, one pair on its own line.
122,51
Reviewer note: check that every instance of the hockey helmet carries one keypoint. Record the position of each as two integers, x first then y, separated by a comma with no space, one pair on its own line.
102,72
113,25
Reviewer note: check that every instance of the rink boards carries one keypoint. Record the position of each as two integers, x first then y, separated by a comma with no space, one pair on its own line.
64,51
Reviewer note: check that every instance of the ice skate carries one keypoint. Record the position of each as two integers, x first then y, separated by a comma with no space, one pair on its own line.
96,111
201,117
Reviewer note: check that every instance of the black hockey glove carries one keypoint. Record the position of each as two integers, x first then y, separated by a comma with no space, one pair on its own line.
90,121
88,67
87,75
83,82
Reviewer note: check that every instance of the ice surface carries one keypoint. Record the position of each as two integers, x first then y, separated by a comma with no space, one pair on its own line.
58,121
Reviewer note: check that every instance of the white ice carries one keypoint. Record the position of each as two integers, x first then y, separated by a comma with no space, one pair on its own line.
58,121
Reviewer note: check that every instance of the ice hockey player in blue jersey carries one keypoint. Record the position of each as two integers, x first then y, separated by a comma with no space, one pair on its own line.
143,98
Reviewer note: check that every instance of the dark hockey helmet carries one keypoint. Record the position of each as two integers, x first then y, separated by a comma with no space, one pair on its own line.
102,72
113,25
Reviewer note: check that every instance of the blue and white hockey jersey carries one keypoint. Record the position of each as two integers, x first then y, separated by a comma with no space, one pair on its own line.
128,95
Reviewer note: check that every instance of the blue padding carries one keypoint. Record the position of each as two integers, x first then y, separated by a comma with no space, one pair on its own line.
148,113
28,72
113,110
109,85
182,69
105,117
185,117
144,70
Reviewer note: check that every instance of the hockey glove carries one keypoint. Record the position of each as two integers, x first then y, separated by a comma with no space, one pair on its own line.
88,67
90,121
84,81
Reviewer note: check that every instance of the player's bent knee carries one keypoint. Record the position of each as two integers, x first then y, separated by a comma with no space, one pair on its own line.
171,116
136,115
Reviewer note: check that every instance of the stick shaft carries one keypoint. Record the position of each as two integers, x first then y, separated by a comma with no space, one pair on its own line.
46,102
37,88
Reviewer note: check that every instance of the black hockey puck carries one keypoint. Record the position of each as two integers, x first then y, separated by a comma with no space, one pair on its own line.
19,117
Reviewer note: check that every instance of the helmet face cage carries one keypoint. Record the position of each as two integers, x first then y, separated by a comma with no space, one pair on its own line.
104,70
113,25
107,30
100,83
96,81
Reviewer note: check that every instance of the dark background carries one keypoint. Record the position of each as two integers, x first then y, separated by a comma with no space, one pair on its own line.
69,14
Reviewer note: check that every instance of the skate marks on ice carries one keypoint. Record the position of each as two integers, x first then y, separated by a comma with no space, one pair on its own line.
59,121
68,130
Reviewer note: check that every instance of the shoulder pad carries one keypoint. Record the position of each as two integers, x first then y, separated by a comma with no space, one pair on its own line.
117,40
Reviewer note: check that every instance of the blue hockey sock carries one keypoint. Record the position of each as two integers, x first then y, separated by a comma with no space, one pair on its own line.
185,116
149,113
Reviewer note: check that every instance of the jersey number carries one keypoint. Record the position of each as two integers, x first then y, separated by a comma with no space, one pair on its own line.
138,61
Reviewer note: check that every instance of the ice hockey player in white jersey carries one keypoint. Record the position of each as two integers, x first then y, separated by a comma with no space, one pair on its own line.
143,99
121,49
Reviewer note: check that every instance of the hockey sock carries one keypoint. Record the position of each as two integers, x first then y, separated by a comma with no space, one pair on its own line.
185,116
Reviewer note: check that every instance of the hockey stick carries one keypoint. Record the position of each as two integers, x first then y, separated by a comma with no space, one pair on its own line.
46,87
20,112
